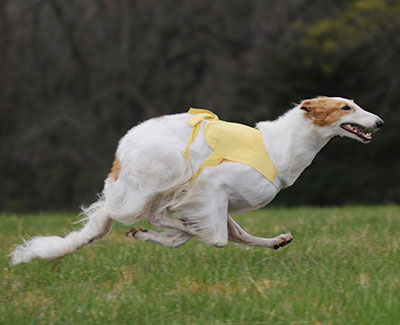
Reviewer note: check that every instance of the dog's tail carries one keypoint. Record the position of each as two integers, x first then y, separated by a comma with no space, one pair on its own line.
98,224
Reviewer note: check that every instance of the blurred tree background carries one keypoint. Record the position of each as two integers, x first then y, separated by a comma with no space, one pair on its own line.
76,75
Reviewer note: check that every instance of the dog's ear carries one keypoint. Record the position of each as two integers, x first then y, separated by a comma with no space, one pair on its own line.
312,106
307,105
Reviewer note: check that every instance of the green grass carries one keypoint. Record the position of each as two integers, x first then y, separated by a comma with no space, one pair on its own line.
343,267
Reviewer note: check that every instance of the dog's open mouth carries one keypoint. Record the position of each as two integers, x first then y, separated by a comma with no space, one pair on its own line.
360,131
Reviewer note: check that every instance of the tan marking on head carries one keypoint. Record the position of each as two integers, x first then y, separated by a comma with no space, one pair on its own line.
115,170
225,160
324,111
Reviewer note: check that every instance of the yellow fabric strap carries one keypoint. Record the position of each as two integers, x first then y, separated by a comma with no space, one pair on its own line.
230,141
239,143
195,121
213,159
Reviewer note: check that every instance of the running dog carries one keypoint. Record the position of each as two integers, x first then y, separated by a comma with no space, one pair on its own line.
186,173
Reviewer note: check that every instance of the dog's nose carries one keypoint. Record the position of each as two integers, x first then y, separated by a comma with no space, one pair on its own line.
379,124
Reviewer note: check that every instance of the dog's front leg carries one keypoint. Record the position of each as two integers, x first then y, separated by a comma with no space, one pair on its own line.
238,235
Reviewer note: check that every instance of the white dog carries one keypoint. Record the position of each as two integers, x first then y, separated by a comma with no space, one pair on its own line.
167,171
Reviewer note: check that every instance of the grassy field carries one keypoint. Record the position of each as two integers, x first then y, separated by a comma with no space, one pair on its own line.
343,267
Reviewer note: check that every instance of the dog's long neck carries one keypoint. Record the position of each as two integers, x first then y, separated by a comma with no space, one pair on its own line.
292,143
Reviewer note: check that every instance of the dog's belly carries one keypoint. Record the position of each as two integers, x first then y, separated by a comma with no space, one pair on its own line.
246,189
239,205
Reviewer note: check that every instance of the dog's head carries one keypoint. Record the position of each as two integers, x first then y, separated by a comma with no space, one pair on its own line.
334,116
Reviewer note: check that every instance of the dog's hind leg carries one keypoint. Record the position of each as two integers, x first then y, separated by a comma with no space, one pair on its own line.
216,234
238,235
171,238
163,220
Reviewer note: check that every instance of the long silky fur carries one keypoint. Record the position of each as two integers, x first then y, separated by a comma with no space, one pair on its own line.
97,225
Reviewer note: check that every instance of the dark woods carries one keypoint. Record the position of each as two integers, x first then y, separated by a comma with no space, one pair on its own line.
76,75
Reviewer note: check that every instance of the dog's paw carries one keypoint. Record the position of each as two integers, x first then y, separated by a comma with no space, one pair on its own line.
134,232
283,240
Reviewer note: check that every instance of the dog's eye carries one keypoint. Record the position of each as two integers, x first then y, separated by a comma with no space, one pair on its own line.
346,108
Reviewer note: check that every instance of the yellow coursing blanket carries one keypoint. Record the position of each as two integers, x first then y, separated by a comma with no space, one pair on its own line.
230,141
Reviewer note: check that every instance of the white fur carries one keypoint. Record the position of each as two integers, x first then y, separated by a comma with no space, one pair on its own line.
155,183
